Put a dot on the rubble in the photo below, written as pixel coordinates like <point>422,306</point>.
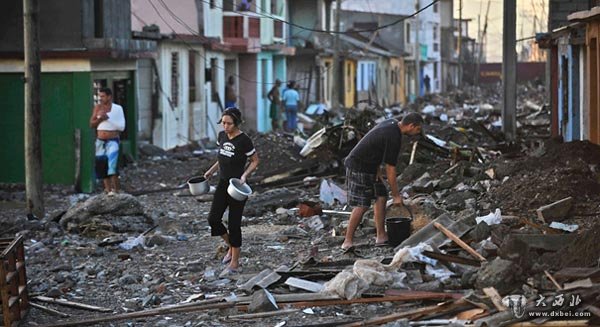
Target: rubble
<point>474,199</point>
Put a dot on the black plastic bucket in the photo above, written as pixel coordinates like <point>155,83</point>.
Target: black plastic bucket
<point>398,229</point>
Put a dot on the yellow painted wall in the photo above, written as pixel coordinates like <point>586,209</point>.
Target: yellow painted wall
<point>349,83</point>
<point>397,94</point>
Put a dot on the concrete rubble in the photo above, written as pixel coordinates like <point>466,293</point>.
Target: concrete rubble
<point>482,212</point>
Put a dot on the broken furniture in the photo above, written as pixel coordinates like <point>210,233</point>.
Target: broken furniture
<point>13,281</point>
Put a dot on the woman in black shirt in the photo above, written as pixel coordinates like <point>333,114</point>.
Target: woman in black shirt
<point>235,149</point>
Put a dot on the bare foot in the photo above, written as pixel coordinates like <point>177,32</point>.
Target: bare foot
<point>347,245</point>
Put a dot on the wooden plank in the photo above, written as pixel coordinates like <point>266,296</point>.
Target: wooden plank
<point>347,302</point>
<point>141,314</point>
<point>567,274</point>
<point>556,284</point>
<point>458,241</point>
<point>411,314</point>
<point>493,294</point>
<point>421,295</point>
<point>452,258</point>
<point>293,297</point>
<point>582,283</point>
<point>71,304</point>
<point>49,311</point>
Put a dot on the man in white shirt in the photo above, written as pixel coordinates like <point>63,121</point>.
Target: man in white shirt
<point>109,121</point>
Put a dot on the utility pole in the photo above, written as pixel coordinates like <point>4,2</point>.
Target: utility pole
<point>33,140</point>
<point>417,53</point>
<point>481,43</point>
<point>509,70</point>
<point>336,69</point>
<point>460,68</point>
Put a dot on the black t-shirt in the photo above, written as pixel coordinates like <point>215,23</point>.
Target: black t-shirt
<point>379,145</point>
<point>233,154</point>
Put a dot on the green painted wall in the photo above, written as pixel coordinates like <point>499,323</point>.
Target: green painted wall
<point>66,100</point>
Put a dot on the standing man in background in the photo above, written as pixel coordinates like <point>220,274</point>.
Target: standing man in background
<point>109,121</point>
<point>290,99</point>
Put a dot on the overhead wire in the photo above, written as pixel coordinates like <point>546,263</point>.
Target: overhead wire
<point>243,13</point>
<point>186,26</point>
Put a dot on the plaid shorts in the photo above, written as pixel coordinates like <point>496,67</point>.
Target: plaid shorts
<point>363,188</point>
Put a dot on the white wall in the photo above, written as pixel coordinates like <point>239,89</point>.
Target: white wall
<point>171,128</point>
<point>144,82</point>
<point>213,111</point>
<point>213,19</point>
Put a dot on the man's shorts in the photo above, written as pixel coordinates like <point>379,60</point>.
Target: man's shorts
<point>110,149</point>
<point>363,188</point>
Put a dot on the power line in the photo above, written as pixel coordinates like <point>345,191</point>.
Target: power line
<point>190,47</point>
<point>243,13</point>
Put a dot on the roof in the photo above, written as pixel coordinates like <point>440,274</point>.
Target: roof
<point>593,13</point>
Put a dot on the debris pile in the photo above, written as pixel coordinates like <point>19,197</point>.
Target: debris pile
<point>501,232</point>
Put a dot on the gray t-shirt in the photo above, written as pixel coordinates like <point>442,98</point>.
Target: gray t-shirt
<point>380,145</point>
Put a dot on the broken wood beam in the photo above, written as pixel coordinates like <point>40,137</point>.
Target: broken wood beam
<point>452,258</point>
<point>293,297</point>
<point>413,152</point>
<point>422,295</point>
<point>458,241</point>
<point>49,310</point>
<point>71,304</point>
<point>556,211</point>
<point>142,314</point>
<point>575,273</point>
<point>493,294</point>
<point>411,314</point>
<point>556,284</point>
<point>395,298</point>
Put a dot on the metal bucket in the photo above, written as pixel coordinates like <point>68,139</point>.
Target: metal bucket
<point>237,190</point>
<point>198,185</point>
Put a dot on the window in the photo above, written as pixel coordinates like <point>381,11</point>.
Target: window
<point>435,7</point>
<point>98,19</point>
<point>436,47</point>
<point>435,70</point>
<point>348,77</point>
<point>212,4</point>
<point>366,75</point>
<point>175,78</point>
<point>408,33</point>
<point>435,31</point>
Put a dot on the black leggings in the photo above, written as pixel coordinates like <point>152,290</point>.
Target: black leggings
<point>221,201</point>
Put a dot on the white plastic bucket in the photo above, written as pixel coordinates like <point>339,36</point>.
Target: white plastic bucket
<point>198,185</point>
<point>237,190</point>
